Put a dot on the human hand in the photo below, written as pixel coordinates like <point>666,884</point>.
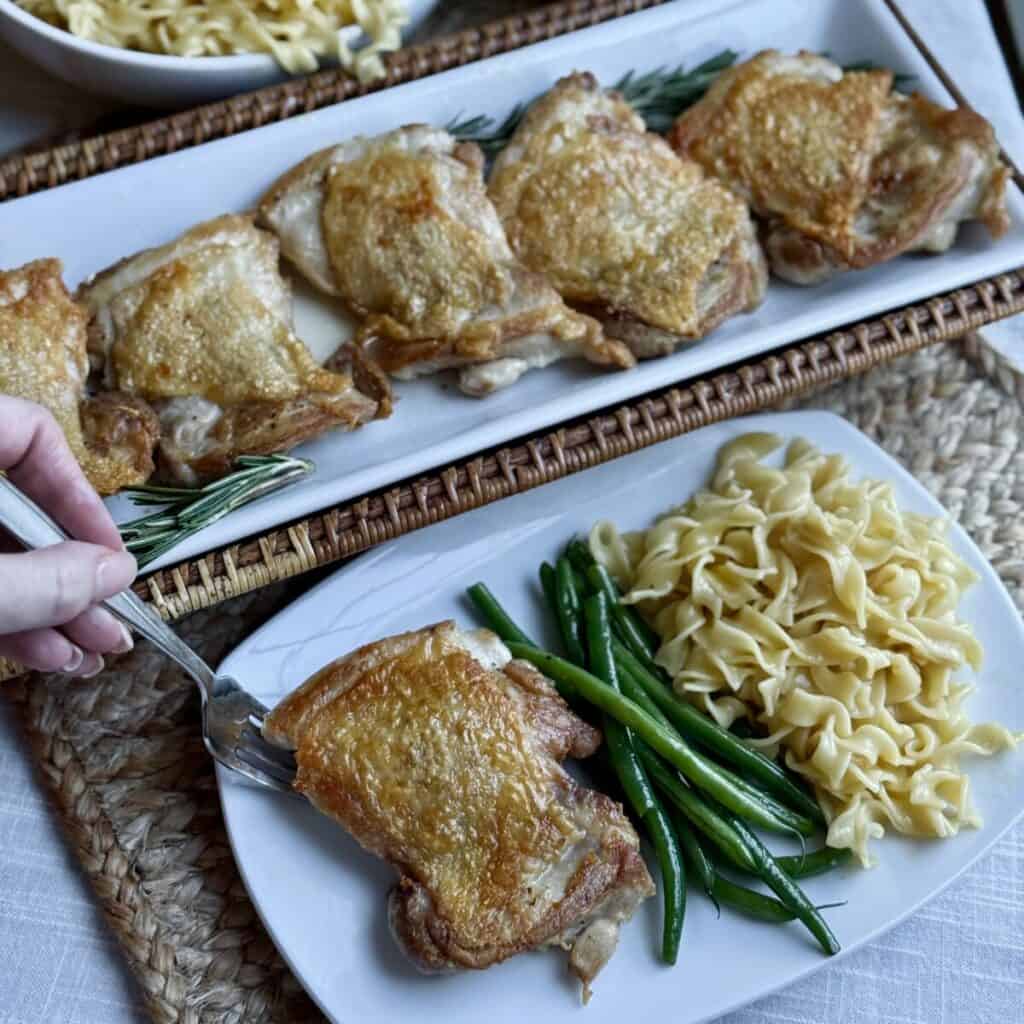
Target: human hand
<point>58,586</point>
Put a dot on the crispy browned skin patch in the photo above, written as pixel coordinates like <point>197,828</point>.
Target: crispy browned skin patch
<point>624,228</point>
<point>845,172</point>
<point>43,359</point>
<point>202,328</point>
<point>449,769</point>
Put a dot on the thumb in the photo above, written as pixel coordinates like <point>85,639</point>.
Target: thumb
<point>51,586</point>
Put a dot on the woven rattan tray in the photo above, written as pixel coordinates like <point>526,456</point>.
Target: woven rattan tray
<point>356,525</point>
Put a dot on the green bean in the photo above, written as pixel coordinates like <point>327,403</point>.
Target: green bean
<point>578,552</point>
<point>639,636</point>
<point>550,587</point>
<point>583,587</point>
<point>635,783</point>
<point>768,870</point>
<point>569,611</point>
<point>495,616</point>
<point>673,880</point>
<point>796,822</point>
<point>630,772</point>
<point>751,902</point>
<point>697,811</point>
<point>697,768</point>
<point>694,854</point>
<point>636,693</point>
<point>816,863</point>
<point>699,727</point>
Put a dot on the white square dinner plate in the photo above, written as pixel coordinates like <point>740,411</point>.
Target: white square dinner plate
<point>323,899</point>
<point>92,223</point>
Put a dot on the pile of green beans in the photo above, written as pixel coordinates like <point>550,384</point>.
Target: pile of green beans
<point>693,786</point>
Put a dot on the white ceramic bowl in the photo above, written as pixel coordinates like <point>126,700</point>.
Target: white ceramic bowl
<point>146,79</point>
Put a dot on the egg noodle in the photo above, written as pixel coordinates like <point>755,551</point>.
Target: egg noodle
<point>813,606</point>
<point>297,32</point>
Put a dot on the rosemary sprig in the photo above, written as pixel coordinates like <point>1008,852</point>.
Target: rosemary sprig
<point>186,510</point>
<point>479,130</point>
<point>659,96</point>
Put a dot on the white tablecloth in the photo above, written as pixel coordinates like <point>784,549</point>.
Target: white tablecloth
<point>958,961</point>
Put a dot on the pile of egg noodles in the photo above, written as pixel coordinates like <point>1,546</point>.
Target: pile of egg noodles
<point>299,33</point>
<point>813,606</point>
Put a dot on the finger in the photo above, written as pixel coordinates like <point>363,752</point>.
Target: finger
<point>98,631</point>
<point>37,458</point>
<point>52,586</point>
<point>46,650</point>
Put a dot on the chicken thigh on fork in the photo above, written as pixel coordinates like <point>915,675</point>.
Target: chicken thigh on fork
<point>441,753</point>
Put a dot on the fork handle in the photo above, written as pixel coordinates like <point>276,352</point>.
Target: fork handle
<point>33,528</point>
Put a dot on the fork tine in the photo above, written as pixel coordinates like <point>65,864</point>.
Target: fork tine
<point>253,739</point>
<point>254,773</point>
<point>255,758</point>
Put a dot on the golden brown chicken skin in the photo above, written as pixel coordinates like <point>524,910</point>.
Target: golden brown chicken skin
<point>401,229</point>
<point>844,172</point>
<point>624,229</point>
<point>201,328</point>
<point>43,359</point>
<point>441,754</point>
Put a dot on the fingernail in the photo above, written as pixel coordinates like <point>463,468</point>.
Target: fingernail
<point>126,643</point>
<point>114,572</point>
<point>92,666</point>
<point>75,661</point>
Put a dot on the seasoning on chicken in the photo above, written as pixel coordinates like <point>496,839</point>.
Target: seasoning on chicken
<point>625,230</point>
<point>844,172</point>
<point>201,328</point>
<point>400,228</point>
<point>441,754</point>
<point>43,359</point>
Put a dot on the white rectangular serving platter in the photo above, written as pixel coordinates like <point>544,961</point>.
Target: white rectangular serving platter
<point>93,223</point>
<point>323,899</point>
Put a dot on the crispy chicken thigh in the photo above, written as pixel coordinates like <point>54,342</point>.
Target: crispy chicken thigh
<point>625,230</point>
<point>201,328</point>
<point>441,754</point>
<point>844,172</point>
<point>43,359</point>
<point>401,229</point>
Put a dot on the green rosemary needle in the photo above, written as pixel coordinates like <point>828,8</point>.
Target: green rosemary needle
<point>658,96</point>
<point>479,130</point>
<point>186,510</point>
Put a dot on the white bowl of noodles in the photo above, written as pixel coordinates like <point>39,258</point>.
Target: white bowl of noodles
<point>302,36</point>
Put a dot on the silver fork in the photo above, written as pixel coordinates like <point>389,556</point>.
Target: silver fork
<point>232,718</point>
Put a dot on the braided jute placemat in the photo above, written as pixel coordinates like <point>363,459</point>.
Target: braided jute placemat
<point>135,791</point>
